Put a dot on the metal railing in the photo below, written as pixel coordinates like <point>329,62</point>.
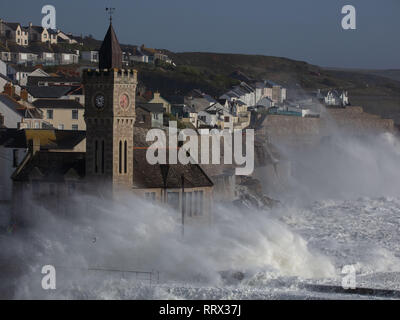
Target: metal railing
<point>153,277</point>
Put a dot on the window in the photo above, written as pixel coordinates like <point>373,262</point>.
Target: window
<point>173,199</point>
<point>15,158</point>
<point>150,196</point>
<point>61,127</point>
<point>120,158</point>
<point>49,114</point>
<point>37,125</point>
<point>155,116</point>
<point>188,205</point>
<point>102,156</point>
<point>198,203</point>
<point>96,149</point>
<point>226,119</point>
<point>26,41</point>
<point>74,127</point>
<point>75,114</point>
<point>125,156</point>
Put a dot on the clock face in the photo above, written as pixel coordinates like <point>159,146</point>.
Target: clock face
<point>99,101</point>
<point>124,101</point>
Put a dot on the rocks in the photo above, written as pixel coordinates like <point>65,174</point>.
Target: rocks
<point>250,194</point>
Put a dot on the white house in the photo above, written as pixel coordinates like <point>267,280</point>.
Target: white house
<point>22,74</point>
<point>47,58</point>
<point>208,119</point>
<point>139,57</point>
<point>23,57</point>
<point>334,98</point>
<point>66,58</point>
<point>65,37</point>
<point>90,56</point>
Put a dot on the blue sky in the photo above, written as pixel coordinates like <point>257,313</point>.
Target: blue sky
<point>308,30</point>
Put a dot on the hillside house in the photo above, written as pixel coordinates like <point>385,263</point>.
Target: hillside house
<point>64,58</point>
<point>19,115</point>
<point>149,115</point>
<point>157,98</point>
<point>90,56</point>
<point>336,98</point>
<point>62,114</point>
<point>40,34</point>
<point>15,32</point>
<point>65,37</point>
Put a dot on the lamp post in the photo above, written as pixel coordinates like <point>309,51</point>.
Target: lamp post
<point>164,173</point>
<point>183,204</point>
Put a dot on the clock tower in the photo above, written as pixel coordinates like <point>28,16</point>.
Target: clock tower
<point>110,117</point>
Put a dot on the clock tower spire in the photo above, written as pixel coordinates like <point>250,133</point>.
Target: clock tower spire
<point>110,117</point>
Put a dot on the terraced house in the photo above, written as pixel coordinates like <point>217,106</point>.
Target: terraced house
<point>15,32</point>
<point>40,34</point>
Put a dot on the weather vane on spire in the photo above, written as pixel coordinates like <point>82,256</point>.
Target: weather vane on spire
<point>110,12</point>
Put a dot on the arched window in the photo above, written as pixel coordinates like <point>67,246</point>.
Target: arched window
<point>125,156</point>
<point>96,150</point>
<point>120,157</point>
<point>102,156</point>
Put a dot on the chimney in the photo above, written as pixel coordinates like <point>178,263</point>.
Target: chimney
<point>9,89</point>
<point>24,94</point>
<point>30,24</point>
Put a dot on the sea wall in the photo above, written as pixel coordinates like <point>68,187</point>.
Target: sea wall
<point>294,130</point>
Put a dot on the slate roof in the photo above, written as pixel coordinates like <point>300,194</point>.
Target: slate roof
<point>176,99</point>
<point>49,138</point>
<point>151,107</point>
<point>150,176</point>
<point>110,53</point>
<point>52,166</point>
<point>48,92</point>
<point>12,25</point>
<point>20,109</point>
<point>38,29</point>
<point>34,80</point>
<point>57,104</point>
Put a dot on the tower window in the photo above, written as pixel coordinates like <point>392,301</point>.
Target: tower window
<point>96,146</point>
<point>120,157</point>
<point>102,156</point>
<point>125,156</point>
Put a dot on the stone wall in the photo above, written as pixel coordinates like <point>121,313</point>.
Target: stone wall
<point>293,130</point>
